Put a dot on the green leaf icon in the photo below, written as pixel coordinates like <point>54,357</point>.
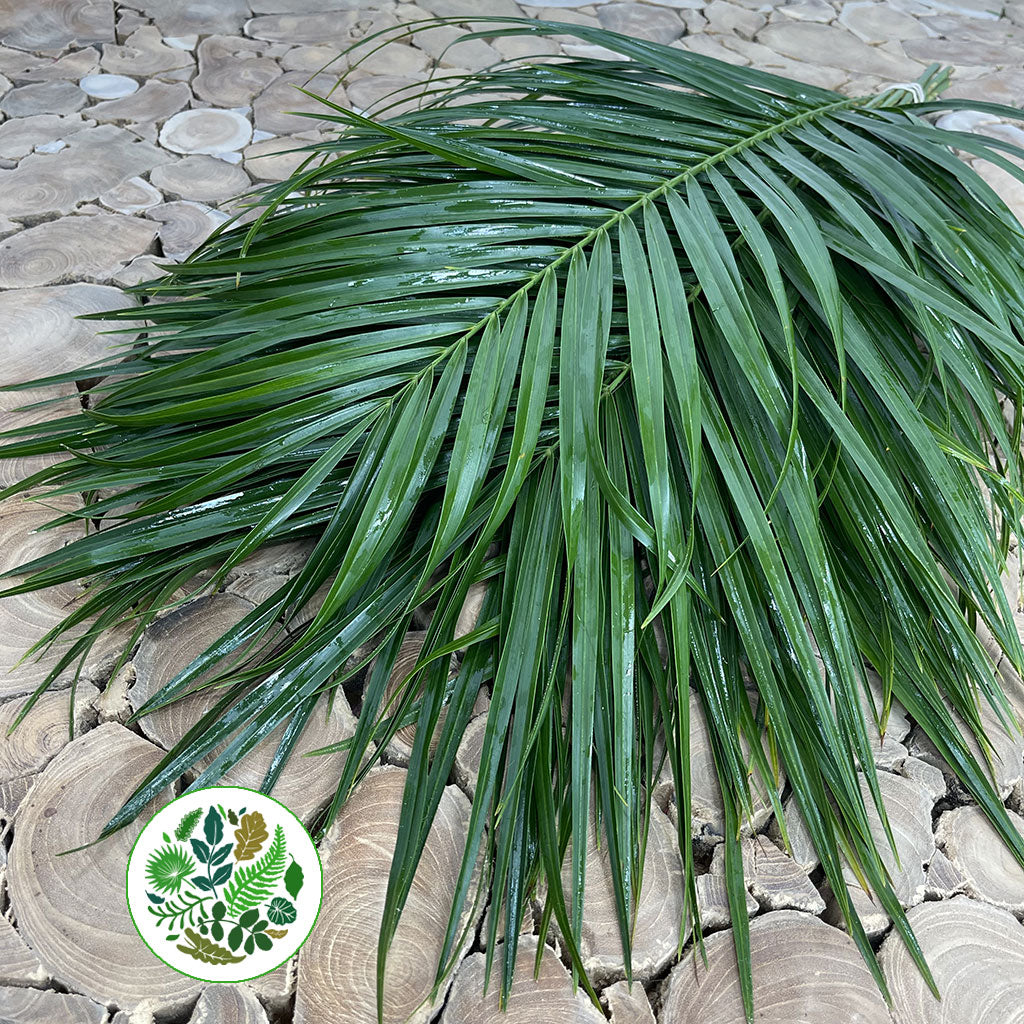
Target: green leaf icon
<point>207,951</point>
<point>281,911</point>
<point>222,874</point>
<point>293,879</point>
<point>167,868</point>
<point>221,854</point>
<point>213,827</point>
<point>187,825</point>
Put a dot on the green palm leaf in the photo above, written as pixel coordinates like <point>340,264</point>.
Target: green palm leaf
<point>658,339</point>
<point>168,867</point>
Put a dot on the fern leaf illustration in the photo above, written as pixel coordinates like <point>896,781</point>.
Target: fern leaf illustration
<point>187,825</point>
<point>174,913</point>
<point>255,882</point>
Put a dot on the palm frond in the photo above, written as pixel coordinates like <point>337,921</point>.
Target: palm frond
<point>638,341</point>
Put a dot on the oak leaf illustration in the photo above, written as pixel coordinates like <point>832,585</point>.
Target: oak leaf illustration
<point>251,835</point>
<point>277,933</point>
<point>207,951</point>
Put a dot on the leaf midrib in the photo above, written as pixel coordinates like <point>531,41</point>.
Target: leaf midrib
<point>638,204</point>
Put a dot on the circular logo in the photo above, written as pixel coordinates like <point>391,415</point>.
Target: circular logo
<point>224,884</point>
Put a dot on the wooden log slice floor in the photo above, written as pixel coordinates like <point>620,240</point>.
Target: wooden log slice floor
<point>26,618</point>
<point>659,908</point>
<point>400,747</point>
<point>105,177</point>
<point>804,971</point>
<point>980,857</point>
<point>628,1005</point>
<point>18,964</point>
<point>44,731</point>
<point>708,820</point>
<point>976,955</point>
<point>337,965</point>
<point>71,909</point>
<point>33,1006</point>
<point>170,644</point>
<point>547,998</point>
<point>228,1004</point>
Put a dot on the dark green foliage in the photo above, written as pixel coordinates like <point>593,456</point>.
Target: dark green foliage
<point>281,911</point>
<point>658,339</point>
<point>293,879</point>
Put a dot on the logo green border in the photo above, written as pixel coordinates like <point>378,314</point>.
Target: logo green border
<point>233,981</point>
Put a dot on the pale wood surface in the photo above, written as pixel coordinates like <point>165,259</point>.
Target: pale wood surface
<point>44,731</point>
<point>400,747</point>
<point>336,983</point>
<point>774,879</point>
<point>73,248</point>
<point>1007,752</point>
<point>184,225</point>
<point>231,72</point>
<point>943,879</point>
<point>713,901</point>
<point>18,964</point>
<point>170,644</point>
<point>708,823</point>
<point>803,971</point>
<point>976,955</point>
<point>981,858</point>
<point>27,618</point>
<point>467,757</point>
<point>32,1006</point>
<point>659,908</point>
<point>71,909</point>
<point>202,178</point>
<point>276,990</point>
<point>909,810</point>
<point>628,1005</point>
<point>546,999</point>
<point>228,1004</point>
